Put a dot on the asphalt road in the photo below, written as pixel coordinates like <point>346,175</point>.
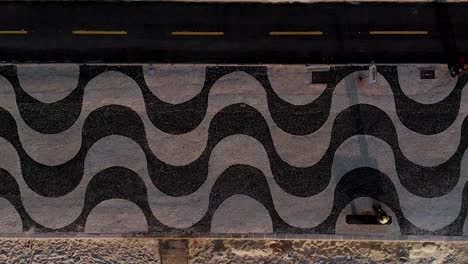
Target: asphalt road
<point>232,33</point>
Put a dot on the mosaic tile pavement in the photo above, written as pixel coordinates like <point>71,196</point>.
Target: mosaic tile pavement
<point>179,149</point>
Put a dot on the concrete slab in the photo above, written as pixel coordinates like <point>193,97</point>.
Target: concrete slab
<point>197,149</point>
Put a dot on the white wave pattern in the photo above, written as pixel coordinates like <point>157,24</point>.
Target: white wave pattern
<point>181,212</point>
<point>238,87</point>
<point>10,220</point>
<point>293,83</point>
<point>241,214</point>
<point>116,216</point>
<point>426,91</point>
<point>174,83</point>
<point>48,83</point>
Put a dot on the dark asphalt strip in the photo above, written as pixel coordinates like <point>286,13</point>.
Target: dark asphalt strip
<point>232,32</point>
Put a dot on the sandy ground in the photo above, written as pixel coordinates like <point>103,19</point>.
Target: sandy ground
<point>230,251</point>
<point>295,251</point>
<point>66,251</point>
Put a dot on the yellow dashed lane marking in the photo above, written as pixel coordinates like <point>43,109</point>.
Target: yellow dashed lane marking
<point>13,32</point>
<point>99,32</point>
<point>197,33</point>
<point>296,33</point>
<point>399,32</point>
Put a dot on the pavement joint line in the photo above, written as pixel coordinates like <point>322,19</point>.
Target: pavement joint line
<point>274,236</point>
<point>99,32</point>
<point>13,32</point>
<point>398,32</point>
<point>197,33</point>
<point>296,33</point>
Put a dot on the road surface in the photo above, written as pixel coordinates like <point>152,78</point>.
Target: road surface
<point>232,32</point>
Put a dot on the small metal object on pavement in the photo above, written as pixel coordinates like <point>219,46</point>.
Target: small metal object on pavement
<point>427,74</point>
<point>372,74</point>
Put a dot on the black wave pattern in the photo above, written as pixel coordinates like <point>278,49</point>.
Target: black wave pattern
<point>123,183</point>
<point>425,119</point>
<point>360,182</point>
<point>10,191</point>
<point>116,183</point>
<point>250,181</point>
<point>111,183</point>
<point>181,118</point>
<point>372,183</point>
<point>54,181</point>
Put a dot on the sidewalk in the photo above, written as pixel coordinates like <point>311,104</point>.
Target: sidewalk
<point>254,151</point>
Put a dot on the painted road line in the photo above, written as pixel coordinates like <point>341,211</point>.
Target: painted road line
<point>398,32</point>
<point>99,32</point>
<point>296,33</point>
<point>13,32</point>
<point>197,33</point>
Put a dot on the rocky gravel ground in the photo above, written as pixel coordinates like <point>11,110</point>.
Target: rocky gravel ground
<point>78,251</point>
<point>287,251</point>
<point>230,251</point>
